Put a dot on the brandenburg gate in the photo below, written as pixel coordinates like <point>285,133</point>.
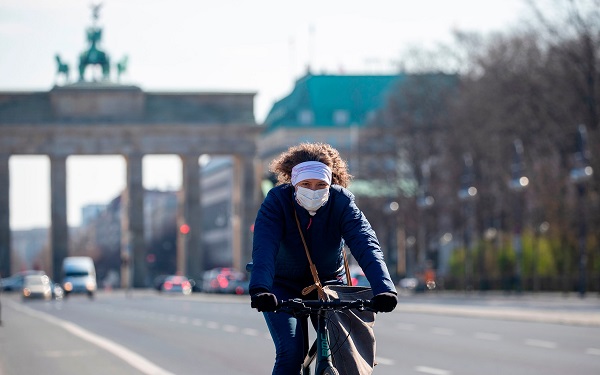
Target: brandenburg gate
<point>101,117</point>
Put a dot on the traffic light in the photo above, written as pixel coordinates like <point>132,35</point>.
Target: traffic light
<point>184,229</point>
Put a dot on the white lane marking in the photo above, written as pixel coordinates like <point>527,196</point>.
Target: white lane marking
<point>134,359</point>
<point>443,331</point>
<point>250,331</point>
<point>212,325</point>
<point>231,329</point>
<point>406,326</point>
<point>541,343</point>
<point>64,353</point>
<point>592,351</point>
<point>487,336</point>
<point>197,322</point>
<point>384,361</point>
<point>432,370</point>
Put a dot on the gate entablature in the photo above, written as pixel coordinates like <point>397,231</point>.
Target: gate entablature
<point>111,139</point>
<point>86,102</point>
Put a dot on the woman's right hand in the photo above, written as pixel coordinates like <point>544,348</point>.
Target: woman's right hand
<point>264,302</point>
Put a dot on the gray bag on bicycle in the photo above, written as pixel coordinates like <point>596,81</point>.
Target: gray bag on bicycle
<point>352,339</point>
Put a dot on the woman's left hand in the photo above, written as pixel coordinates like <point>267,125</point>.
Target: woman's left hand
<point>384,302</point>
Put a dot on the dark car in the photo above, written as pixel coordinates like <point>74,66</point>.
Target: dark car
<point>225,280</point>
<point>159,281</point>
<point>176,284</point>
<point>14,283</point>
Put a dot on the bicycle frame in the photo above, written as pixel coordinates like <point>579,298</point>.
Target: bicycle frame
<point>320,349</point>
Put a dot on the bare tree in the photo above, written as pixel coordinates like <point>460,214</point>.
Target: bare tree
<point>535,85</point>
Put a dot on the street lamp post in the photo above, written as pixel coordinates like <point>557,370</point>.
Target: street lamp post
<point>396,252</point>
<point>579,175</point>
<point>539,232</point>
<point>467,195</point>
<point>518,183</point>
<point>424,201</point>
<point>410,256</point>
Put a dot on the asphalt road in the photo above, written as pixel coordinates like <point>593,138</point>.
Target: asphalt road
<point>443,334</point>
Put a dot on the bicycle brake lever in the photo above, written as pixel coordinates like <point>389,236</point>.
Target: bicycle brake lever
<point>293,307</point>
<point>367,305</point>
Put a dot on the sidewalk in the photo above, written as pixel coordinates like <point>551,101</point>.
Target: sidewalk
<point>555,308</point>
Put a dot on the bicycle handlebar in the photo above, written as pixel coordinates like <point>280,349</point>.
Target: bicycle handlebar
<point>299,306</point>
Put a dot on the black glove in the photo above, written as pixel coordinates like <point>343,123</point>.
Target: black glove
<point>263,301</point>
<point>384,302</point>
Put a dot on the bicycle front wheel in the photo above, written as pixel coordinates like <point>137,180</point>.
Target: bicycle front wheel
<point>330,371</point>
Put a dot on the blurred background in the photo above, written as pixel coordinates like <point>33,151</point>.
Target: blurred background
<point>473,148</point>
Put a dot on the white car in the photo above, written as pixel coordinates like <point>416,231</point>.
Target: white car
<point>37,287</point>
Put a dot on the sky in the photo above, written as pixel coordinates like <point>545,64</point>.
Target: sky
<point>258,46</point>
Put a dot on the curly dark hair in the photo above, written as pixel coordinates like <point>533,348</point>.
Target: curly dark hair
<point>321,152</point>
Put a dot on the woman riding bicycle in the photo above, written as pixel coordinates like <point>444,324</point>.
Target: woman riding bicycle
<point>312,180</point>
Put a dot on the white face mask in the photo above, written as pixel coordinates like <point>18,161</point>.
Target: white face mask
<point>312,200</point>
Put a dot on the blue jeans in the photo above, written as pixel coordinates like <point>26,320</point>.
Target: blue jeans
<point>288,335</point>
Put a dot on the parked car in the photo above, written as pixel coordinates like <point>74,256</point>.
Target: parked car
<point>176,284</point>
<point>225,280</point>
<point>37,287</point>
<point>411,284</point>
<point>159,281</point>
<point>416,285</point>
<point>15,282</point>
<point>57,290</point>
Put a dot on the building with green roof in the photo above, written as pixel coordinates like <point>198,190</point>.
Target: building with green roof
<point>324,108</point>
<point>330,101</point>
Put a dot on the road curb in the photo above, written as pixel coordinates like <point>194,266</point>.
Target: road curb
<point>540,316</point>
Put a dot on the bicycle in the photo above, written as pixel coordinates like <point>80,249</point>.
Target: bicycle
<point>320,349</point>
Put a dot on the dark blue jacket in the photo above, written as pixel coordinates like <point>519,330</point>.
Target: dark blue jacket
<point>279,256</point>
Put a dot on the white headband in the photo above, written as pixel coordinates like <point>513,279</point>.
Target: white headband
<point>311,169</point>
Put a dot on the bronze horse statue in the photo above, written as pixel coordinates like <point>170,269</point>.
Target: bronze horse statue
<point>94,56</point>
<point>121,67</point>
<point>62,68</point>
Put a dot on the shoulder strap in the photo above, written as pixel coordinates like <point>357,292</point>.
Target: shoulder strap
<point>313,269</point>
<point>347,267</point>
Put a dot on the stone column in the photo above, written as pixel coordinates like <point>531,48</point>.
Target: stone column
<point>237,211</point>
<point>59,229</point>
<point>245,202</point>
<point>133,247</point>
<point>190,257</point>
<point>5,259</point>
